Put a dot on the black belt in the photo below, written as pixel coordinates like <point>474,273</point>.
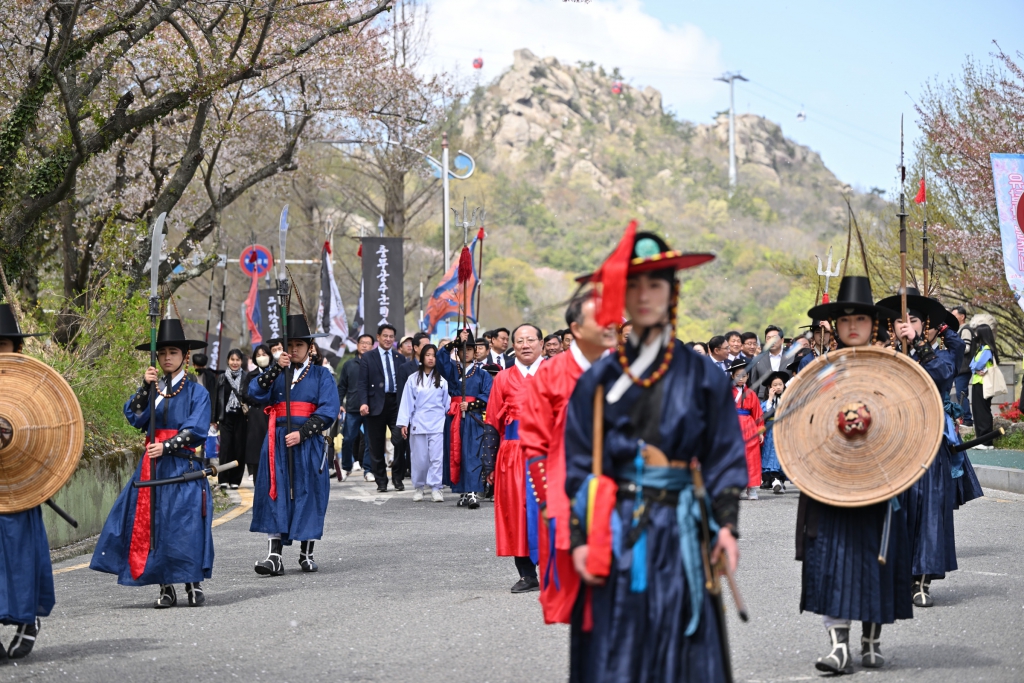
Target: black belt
<point>651,496</point>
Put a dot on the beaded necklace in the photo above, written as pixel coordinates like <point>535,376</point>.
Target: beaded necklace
<point>305,372</point>
<point>666,359</point>
<point>180,386</point>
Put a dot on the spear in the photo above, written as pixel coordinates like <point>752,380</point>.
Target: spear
<point>157,244</point>
<point>903,242</point>
<point>220,325</point>
<point>924,236</point>
<point>282,302</point>
<point>480,269</point>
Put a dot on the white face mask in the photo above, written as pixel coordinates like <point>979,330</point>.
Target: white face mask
<point>263,361</point>
<point>277,354</point>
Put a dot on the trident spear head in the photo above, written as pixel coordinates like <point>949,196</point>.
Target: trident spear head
<point>828,273</point>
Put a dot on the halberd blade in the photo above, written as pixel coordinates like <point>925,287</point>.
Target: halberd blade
<point>154,259</point>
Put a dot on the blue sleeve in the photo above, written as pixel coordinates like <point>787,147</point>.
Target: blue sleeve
<point>956,346</point>
<point>941,367</point>
<point>257,393</point>
<point>982,360</point>
<point>329,405</point>
<point>137,420</point>
<point>805,361</point>
<point>486,382</point>
<point>198,419</point>
<point>450,371</point>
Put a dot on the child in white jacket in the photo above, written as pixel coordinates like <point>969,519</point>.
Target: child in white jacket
<point>421,416</point>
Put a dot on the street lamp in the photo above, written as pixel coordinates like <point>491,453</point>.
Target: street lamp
<point>441,168</point>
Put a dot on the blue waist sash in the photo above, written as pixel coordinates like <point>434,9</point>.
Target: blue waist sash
<point>688,518</point>
<point>512,431</point>
<point>742,411</point>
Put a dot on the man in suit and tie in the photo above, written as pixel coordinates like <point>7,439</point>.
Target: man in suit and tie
<point>500,354</point>
<point>718,348</point>
<point>400,465</point>
<point>769,363</point>
<point>378,398</point>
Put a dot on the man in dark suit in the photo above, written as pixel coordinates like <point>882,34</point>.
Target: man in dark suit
<point>400,465</point>
<point>769,363</point>
<point>378,398</point>
<point>500,354</point>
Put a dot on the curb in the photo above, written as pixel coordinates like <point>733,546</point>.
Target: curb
<point>1000,478</point>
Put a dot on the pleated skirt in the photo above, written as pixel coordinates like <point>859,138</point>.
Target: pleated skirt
<point>967,486</point>
<point>301,519</point>
<point>929,505</point>
<point>842,577</point>
<point>640,637</point>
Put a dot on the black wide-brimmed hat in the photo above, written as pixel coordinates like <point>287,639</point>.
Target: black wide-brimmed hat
<point>170,333</point>
<point>9,324</point>
<point>854,297</point>
<point>298,329</point>
<point>780,374</point>
<point>738,364</point>
<point>928,309</point>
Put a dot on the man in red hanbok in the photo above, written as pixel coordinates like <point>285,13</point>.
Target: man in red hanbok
<point>515,509</point>
<point>542,431</point>
<point>748,407</point>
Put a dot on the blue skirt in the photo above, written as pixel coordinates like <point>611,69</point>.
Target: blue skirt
<point>842,577</point>
<point>446,463</point>
<point>471,469</point>
<point>967,486</point>
<point>640,636</point>
<point>301,519</point>
<point>26,587</point>
<point>182,550</point>
<point>930,518</point>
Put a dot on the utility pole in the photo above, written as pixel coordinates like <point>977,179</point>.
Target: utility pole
<point>730,78</point>
<point>445,200</point>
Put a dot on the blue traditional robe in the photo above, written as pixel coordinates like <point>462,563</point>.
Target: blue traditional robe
<point>471,428</point>
<point>769,458</point>
<point>301,519</point>
<point>182,549</point>
<point>930,501</point>
<point>26,582</point>
<point>641,636</point>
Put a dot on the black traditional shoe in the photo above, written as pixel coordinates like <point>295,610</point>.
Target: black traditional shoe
<point>273,565</point>
<point>196,597</point>
<point>399,486</point>
<point>921,596</point>
<point>870,647</point>
<point>462,500</point>
<point>472,502</point>
<point>489,491</point>
<point>167,598</point>
<point>306,557</point>
<point>24,640</point>
<point>526,584</point>
<point>838,660</point>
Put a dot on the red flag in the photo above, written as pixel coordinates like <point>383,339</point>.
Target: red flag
<point>251,309</point>
<point>921,198</point>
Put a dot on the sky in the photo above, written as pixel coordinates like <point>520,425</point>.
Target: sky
<point>853,68</point>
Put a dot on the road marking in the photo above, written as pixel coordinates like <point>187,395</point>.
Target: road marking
<point>237,511</point>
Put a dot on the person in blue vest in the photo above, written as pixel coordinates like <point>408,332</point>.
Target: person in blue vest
<point>27,573</point>
<point>178,547</point>
<point>935,344</point>
<point>646,615</point>
<point>292,509</point>
<point>466,416</point>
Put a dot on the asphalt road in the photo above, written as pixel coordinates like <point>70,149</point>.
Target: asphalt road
<point>413,592</point>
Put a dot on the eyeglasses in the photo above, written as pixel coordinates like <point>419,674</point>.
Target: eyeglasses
<point>527,340</point>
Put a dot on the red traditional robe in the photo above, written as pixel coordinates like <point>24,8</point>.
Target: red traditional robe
<point>749,409</point>
<point>508,393</point>
<point>542,431</point>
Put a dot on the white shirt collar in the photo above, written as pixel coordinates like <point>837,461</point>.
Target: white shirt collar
<point>578,356</point>
<point>529,370</point>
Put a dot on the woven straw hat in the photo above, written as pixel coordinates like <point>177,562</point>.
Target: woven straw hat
<point>858,426</point>
<point>41,432</point>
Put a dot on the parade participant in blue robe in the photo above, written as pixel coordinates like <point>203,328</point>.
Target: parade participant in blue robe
<point>178,548</point>
<point>771,471</point>
<point>646,615</point>
<point>842,579</point>
<point>930,501</point>
<point>293,509</point>
<point>470,419</point>
<point>26,576</point>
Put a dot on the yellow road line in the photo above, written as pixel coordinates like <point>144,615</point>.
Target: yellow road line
<point>237,511</point>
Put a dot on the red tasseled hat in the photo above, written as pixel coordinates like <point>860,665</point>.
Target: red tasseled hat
<point>637,252</point>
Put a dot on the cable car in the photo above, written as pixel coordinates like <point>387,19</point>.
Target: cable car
<point>617,88</point>
<point>478,63</point>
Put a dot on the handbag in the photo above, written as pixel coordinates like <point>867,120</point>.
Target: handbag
<point>992,382</point>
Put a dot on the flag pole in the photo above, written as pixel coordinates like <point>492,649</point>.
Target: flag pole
<point>903,243</point>
<point>924,235</point>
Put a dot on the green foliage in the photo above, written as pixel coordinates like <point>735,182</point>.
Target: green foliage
<point>512,278</point>
<point>1013,441</point>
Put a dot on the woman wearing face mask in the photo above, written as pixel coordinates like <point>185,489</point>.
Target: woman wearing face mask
<point>256,420</point>
<point>231,410</point>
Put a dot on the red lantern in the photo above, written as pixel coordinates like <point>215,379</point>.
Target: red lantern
<point>478,63</point>
<point>617,88</point>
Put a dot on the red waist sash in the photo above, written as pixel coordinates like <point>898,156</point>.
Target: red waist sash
<point>138,547</point>
<point>299,409</point>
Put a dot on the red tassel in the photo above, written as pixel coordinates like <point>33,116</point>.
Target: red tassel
<point>480,234</point>
<point>360,252</point>
<point>824,298</point>
<point>465,265</point>
<point>612,276</point>
<point>327,247</point>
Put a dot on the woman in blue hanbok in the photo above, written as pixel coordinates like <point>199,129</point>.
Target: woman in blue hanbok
<point>466,418</point>
<point>772,475</point>
<point>292,484</point>
<point>26,576</point>
<point>177,546</point>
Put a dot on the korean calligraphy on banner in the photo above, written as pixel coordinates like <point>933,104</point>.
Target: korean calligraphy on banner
<point>383,291</point>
